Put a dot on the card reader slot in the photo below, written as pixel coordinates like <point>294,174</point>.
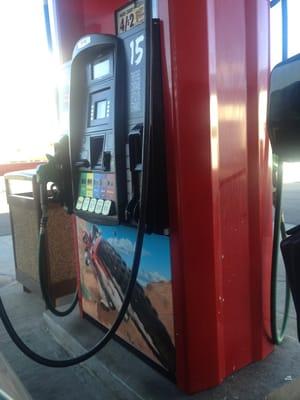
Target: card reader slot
<point>96,146</point>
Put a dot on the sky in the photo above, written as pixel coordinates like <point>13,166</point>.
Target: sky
<point>291,170</point>
<point>293,31</point>
<point>155,262</point>
<point>28,113</point>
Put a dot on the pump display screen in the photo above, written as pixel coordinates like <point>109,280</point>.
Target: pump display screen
<point>101,109</point>
<point>101,69</point>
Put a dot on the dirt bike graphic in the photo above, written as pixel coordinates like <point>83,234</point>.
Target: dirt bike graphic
<point>113,276</point>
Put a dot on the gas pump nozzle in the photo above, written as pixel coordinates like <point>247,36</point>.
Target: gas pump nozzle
<point>135,139</point>
<point>57,171</point>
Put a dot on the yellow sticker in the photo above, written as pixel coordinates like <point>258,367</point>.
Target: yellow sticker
<point>131,16</point>
<point>89,184</point>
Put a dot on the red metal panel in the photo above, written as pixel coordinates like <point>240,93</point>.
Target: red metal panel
<point>79,17</point>
<point>99,15</point>
<point>194,222</point>
<point>69,24</point>
<point>259,183</point>
<point>232,102</point>
<point>220,184</point>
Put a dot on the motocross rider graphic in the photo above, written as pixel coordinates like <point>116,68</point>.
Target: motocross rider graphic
<point>113,276</point>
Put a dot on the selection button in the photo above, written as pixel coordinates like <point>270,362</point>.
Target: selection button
<point>99,206</point>
<point>79,203</point>
<point>86,204</point>
<point>106,207</point>
<point>92,205</point>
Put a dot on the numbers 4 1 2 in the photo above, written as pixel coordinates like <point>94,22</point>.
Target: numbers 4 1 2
<point>127,22</point>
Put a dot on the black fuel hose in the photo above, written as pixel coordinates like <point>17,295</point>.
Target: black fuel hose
<point>139,239</point>
<point>108,336</point>
<point>279,228</point>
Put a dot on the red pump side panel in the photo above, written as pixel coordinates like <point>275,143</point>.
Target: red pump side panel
<point>195,233</point>
<point>260,164</point>
<point>216,71</point>
<point>231,86</point>
<point>69,25</point>
<point>99,15</point>
<point>76,18</point>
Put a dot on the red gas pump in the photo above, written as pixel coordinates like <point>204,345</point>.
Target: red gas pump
<point>215,69</point>
<point>215,77</point>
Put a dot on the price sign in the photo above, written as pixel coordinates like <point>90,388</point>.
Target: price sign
<point>130,16</point>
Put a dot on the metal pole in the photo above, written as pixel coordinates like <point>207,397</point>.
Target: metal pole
<point>285,36</point>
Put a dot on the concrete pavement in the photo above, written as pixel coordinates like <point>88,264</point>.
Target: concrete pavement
<point>43,383</point>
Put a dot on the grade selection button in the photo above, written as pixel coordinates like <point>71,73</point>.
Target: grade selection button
<point>86,204</point>
<point>99,206</point>
<point>106,207</point>
<point>79,203</point>
<point>92,205</point>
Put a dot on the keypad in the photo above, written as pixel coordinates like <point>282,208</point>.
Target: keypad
<point>96,193</point>
<point>86,204</point>
<point>106,207</point>
<point>79,203</point>
<point>93,205</point>
<point>99,206</point>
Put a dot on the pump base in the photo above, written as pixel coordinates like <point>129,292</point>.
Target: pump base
<point>121,369</point>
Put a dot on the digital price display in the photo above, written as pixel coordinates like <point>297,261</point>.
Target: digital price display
<point>101,69</point>
<point>101,107</point>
